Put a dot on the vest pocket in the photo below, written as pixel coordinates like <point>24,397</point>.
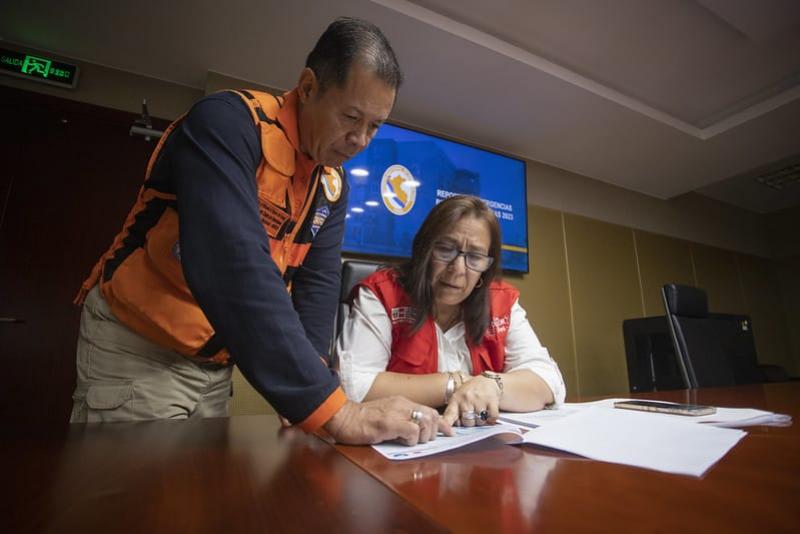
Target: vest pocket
<point>273,186</point>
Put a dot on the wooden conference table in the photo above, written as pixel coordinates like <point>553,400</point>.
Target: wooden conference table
<point>245,474</point>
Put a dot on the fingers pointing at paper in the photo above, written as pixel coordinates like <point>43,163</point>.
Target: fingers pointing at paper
<point>475,403</point>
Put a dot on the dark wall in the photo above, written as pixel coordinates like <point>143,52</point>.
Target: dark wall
<point>70,173</point>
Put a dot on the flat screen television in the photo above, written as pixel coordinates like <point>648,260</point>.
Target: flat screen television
<point>403,173</point>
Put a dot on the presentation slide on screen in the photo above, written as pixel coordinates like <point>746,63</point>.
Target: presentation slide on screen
<point>396,181</point>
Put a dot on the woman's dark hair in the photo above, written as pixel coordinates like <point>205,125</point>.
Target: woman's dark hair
<point>347,40</point>
<point>415,274</point>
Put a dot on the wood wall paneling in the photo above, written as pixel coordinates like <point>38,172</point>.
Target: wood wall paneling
<point>718,274</point>
<point>789,279</point>
<point>544,291</point>
<point>604,284</point>
<point>246,400</point>
<point>76,174</point>
<point>763,301</point>
<point>662,260</point>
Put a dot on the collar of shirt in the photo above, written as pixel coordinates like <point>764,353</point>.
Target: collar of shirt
<point>453,349</point>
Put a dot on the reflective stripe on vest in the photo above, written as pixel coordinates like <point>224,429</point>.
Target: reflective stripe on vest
<point>418,353</point>
<point>150,294</point>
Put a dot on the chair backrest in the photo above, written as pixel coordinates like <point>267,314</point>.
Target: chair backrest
<point>714,349</point>
<point>652,361</point>
<point>353,271</point>
<point>738,344</point>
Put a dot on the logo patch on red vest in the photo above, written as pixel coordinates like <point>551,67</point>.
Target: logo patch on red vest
<point>498,325</point>
<point>404,314</point>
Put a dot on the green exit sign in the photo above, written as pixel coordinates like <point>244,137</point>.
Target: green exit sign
<point>38,68</point>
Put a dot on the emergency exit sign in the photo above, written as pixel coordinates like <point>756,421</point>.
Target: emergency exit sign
<point>39,68</point>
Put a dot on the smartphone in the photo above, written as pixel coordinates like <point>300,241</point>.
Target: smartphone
<point>665,407</point>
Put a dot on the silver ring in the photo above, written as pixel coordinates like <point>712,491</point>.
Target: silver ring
<point>484,415</point>
<point>469,415</point>
<point>416,416</point>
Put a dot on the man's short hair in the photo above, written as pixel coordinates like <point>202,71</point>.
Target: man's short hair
<point>347,40</point>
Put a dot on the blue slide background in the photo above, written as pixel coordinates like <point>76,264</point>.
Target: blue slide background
<point>438,164</point>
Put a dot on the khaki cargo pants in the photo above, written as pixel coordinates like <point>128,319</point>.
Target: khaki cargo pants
<point>124,377</point>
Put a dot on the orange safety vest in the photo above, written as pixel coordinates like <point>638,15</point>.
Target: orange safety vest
<point>418,353</point>
<point>140,275</point>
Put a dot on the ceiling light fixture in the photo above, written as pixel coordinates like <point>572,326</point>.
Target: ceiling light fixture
<point>781,178</point>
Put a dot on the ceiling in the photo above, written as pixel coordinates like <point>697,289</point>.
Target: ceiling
<point>657,96</point>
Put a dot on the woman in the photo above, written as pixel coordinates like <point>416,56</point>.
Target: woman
<point>441,330</point>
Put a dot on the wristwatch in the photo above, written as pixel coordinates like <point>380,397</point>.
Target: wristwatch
<point>498,379</point>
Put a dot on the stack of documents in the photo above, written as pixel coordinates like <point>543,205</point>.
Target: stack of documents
<point>639,439</point>
<point>663,442</point>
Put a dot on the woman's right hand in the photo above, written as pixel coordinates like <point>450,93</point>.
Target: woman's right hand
<point>480,395</point>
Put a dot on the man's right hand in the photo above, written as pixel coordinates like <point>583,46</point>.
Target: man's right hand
<point>383,420</point>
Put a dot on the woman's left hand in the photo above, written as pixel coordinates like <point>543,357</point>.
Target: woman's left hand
<point>475,403</point>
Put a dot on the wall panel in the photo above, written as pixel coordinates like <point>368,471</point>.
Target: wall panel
<point>662,260</point>
<point>718,274</point>
<point>544,293</point>
<point>246,400</point>
<point>789,280</point>
<point>763,301</point>
<point>605,291</point>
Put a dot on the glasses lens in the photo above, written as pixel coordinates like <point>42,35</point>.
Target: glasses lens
<point>478,262</point>
<point>444,252</point>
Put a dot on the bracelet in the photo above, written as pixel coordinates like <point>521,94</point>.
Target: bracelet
<point>498,379</point>
<point>451,387</point>
<point>461,379</point>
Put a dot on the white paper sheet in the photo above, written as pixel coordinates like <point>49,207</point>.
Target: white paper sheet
<point>638,439</point>
<point>597,430</point>
<point>725,417</point>
<point>464,436</point>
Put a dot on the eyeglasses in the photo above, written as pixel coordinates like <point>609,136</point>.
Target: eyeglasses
<point>474,260</point>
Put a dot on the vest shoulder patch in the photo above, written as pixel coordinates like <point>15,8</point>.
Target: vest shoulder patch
<point>331,184</point>
<point>320,216</point>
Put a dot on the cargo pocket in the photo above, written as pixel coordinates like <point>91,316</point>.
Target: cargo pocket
<point>109,401</point>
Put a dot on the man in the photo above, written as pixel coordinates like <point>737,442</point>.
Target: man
<point>243,198</point>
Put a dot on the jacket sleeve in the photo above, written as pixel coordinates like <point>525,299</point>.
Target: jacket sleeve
<point>316,284</point>
<point>211,159</point>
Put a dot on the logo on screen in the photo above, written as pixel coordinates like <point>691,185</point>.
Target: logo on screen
<point>399,189</point>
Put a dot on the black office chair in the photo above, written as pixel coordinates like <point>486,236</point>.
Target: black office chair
<point>353,271</point>
<point>652,362</point>
<point>715,349</point>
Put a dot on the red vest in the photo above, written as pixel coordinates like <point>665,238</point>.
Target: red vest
<point>418,353</point>
<point>144,284</point>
